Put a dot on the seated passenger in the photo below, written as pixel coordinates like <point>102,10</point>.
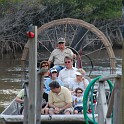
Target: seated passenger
<point>53,77</point>
<point>45,64</point>
<point>57,56</point>
<point>79,81</point>
<point>78,101</point>
<point>20,99</point>
<point>68,73</point>
<point>82,71</point>
<point>59,99</point>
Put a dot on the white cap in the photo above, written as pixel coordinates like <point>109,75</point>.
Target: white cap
<point>61,40</point>
<point>53,70</point>
<point>78,73</point>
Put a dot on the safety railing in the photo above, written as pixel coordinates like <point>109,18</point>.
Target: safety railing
<point>101,100</point>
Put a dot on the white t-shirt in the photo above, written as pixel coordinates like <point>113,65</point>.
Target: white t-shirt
<point>73,85</point>
<point>78,101</point>
<point>67,75</point>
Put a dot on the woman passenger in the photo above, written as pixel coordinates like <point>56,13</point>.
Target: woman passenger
<point>79,81</point>
<point>45,65</point>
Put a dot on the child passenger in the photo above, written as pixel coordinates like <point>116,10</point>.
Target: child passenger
<point>53,77</point>
<point>78,101</point>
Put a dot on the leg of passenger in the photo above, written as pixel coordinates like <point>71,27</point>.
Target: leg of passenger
<point>67,112</point>
<point>51,111</point>
<point>21,110</point>
<point>42,111</point>
<point>46,111</point>
<point>75,111</point>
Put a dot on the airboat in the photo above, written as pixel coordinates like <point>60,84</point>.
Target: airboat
<point>90,45</point>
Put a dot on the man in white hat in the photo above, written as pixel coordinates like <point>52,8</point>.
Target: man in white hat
<point>78,82</point>
<point>57,56</point>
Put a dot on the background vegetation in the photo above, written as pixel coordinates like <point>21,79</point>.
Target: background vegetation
<point>17,15</point>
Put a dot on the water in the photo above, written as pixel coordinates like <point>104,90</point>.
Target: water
<point>10,78</point>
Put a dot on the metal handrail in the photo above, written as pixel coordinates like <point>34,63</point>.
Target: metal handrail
<point>89,89</point>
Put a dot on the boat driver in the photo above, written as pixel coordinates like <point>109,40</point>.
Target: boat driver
<point>57,56</point>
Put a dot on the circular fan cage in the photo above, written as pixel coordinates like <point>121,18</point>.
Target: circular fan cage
<point>94,51</point>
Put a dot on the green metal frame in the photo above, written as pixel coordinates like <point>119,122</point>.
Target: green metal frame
<point>89,88</point>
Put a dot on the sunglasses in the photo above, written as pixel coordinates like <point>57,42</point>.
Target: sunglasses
<point>54,72</point>
<point>79,92</point>
<point>61,42</point>
<point>68,62</point>
<point>44,65</point>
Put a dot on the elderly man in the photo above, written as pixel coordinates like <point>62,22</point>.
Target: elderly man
<point>67,74</point>
<point>57,56</point>
<point>59,99</point>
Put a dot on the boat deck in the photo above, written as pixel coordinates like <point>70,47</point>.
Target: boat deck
<point>11,116</point>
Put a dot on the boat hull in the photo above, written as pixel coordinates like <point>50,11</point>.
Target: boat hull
<point>61,119</point>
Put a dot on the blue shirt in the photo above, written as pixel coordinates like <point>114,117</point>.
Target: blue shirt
<point>48,81</point>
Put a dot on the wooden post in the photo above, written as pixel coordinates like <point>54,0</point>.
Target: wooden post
<point>25,119</point>
<point>116,110</point>
<point>122,90</point>
<point>40,84</point>
<point>39,98</point>
<point>32,77</point>
<point>102,104</point>
<point>122,79</point>
<point>23,60</point>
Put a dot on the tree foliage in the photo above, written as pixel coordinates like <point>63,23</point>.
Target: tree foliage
<point>88,9</point>
<point>17,15</point>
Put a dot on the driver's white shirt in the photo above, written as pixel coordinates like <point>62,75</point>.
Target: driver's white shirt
<point>67,75</point>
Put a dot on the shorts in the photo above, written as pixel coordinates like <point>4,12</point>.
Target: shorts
<point>64,111</point>
<point>78,108</point>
